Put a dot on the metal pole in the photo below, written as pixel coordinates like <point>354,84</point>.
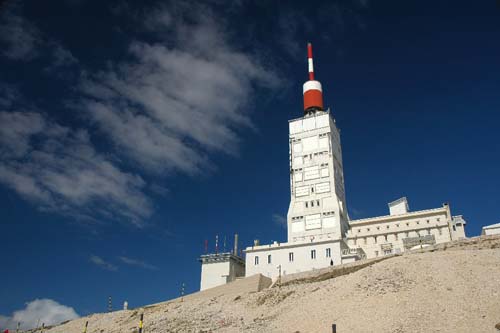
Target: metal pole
<point>334,328</point>
<point>85,328</point>
<point>141,322</point>
<point>17,329</point>
<point>110,306</point>
<point>182,291</point>
<point>43,327</point>
<point>279,277</point>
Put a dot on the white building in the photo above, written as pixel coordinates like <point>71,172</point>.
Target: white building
<point>220,268</point>
<point>493,229</point>
<point>319,230</point>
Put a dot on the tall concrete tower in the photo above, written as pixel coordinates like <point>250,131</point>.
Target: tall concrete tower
<point>317,204</point>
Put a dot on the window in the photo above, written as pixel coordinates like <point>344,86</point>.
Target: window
<point>359,230</point>
<point>378,228</point>
<point>375,238</point>
<point>376,253</point>
<point>256,260</point>
<point>387,227</point>
<point>397,225</point>
<point>290,256</point>
<point>269,259</point>
<point>438,219</point>
<point>312,189</point>
<point>396,235</point>
<point>406,234</point>
<point>385,236</point>
<point>364,240</point>
<point>418,222</point>
<point>306,204</point>
<point>454,228</point>
<point>313,254</point>
<point>317,203</point>
<point>428,231</point>
<point>440,231</point>
<point>312,203</point>
<point>328,253</point>
<point>407,224</point>
<point>386,252</point>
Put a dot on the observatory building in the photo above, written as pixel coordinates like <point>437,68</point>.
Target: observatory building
<point>320,232</point>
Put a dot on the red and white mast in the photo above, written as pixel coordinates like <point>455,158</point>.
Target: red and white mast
<point>313,92</point>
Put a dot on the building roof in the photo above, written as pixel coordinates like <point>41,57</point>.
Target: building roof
<point>492,226</point>
<point>397,217</point>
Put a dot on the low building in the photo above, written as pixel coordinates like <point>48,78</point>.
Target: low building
<point>493,229</point>
<point>220,268</point>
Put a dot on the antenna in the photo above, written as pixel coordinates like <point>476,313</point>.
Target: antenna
<point>235,244</point>
<point>312,90</point>
<point>310,61</point>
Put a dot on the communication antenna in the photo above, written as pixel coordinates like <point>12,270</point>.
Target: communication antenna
<point>312,90</point>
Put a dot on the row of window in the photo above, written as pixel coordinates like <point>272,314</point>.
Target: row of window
<point>397,224</point>
<point>301,169</point>
<point>328,254</point>
<point>296,218</point>
<point>312,203</point>
<point>396,236</point>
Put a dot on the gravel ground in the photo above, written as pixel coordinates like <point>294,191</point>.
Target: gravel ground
<point>452,289</point>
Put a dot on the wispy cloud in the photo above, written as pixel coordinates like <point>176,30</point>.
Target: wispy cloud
<point>175,102</point>
<point>21,40</point>
<point>57,168</point>
<point>279,220</point>
<point>102,263</point>
<point>138,263</point>
<point>38,311</point>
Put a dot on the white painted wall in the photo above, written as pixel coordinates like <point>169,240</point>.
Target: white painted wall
<point>317,200</point>
<point>493,229</point>
<point>218,269</point>
<point>280,255</point>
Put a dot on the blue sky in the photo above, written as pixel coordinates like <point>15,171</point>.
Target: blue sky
<point>130,133</point>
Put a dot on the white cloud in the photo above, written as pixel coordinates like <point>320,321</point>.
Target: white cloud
<point>279,220</point>
<point>38,311</point>
<point>21,39</point>
<point>171,105</point>
<point>58,169</point>
<point>138,263</point>
<point>102,263</point>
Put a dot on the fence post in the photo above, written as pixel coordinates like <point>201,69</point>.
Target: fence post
<point>85,328</point>
<point>141,323</point>
<point>334,328</point>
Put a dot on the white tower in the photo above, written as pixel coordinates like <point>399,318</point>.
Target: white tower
<point>317,206</point>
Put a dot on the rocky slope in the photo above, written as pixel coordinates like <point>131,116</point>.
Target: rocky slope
<point>449,288</point>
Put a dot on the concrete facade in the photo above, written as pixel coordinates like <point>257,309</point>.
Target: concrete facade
<point>493,229</point>
<point>220,268</point>
<point>396,233</point>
